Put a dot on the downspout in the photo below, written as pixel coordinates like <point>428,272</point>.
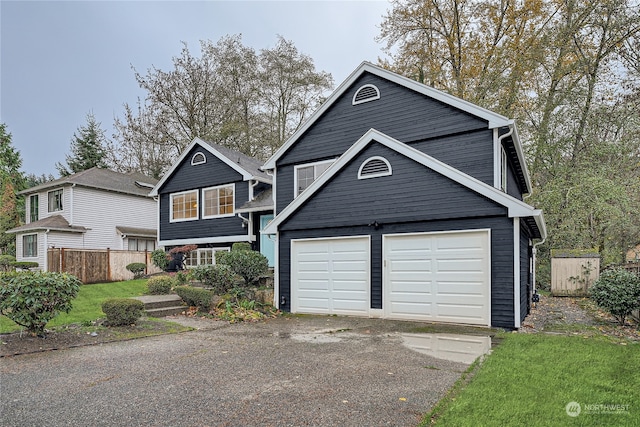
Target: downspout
<point>498,172</point>
<point>46,251</point>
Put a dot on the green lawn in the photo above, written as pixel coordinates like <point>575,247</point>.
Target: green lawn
<point>86,307</point>
<point>529,379</point>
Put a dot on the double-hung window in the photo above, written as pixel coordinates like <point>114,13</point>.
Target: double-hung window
<point>184,206</point>
<point>30,245</point>
<point>55,200</point>
<point>218,201</point>
<point>306,174</point>
<point>33,208</point>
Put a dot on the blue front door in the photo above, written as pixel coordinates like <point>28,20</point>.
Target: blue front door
<point>267,244</point>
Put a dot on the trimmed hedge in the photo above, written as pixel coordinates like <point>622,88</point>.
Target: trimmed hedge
<point>160,285</point>
<point>122,311</point>
<point>219,277</point>
<point>137,268</point>
<point>251,265</point>
<point>618,292</point>
<point>195,297</point>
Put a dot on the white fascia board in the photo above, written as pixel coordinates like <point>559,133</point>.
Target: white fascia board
<point>173,167</point>
<point>515,207</point>
<point>246,175</point>
<point>495,120</point>
<point>202,240</point>
<point>521,159</point>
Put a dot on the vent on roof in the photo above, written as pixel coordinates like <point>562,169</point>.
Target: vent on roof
<point>374,167</point>
<point>366,93</point>
<point>198,159</point>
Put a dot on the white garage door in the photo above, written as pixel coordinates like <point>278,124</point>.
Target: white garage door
<point>438,277</point>
<point>330,276</point>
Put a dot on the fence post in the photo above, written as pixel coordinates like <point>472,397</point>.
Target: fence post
<point>63,263</point>
<point>108,265</point>
<point>146,260</point>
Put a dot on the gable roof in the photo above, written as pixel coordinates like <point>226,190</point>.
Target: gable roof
<point>53,223</point>
<point>515,207</point>
<point>246,166</point>
<point>102,179</point>
<point>495,120</point>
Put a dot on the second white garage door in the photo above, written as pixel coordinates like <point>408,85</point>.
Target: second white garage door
<point>437,277</point>
<point>331,276</point>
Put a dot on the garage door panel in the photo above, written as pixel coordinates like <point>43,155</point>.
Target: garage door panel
<point>437,277</point>
<point>341,265</point>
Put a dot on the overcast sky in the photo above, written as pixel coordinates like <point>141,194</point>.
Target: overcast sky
<point>60,60</point>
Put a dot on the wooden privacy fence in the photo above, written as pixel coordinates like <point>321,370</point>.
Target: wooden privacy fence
<point>573,272</point>
<point>97,265</point>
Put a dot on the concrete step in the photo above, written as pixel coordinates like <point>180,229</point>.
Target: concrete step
<point>165,311</point>
<point>162,305</point>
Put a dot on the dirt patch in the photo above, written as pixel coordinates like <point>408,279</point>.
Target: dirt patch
<point>577,316</point>
<point>77,336</point>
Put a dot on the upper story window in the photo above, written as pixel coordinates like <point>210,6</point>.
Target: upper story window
<point>365,93</point>
<point>374,167</point>
<point>55,200</point>
<point>184,206</point>
<point>198,159</point>
<point>217,201</point>
<point>30,245</point>
<point>503,169</point>
<point>33,208</point>
<point>306,174</point>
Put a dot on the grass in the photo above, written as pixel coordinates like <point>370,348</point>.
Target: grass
<point>529,379</point>
<point>87,305</point>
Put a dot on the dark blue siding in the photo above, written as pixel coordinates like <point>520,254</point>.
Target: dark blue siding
<point>190,177</point>
<point>187,177</point>
<point>400,113</point>
<point>412,193</point>
<point>502,303</point>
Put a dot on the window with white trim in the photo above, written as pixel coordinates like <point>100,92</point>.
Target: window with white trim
<point>503,169</point>
<point>30,246</point>
<point>202,256</point>
<point>33,208</point>
<point>198,159</point>
<point>365,93</point>
<point>55,200</point>
<point>184,206</point>
<point>218,201</point>
<point>136,244</point>
<point>306,174</point>
<point>374,167</point>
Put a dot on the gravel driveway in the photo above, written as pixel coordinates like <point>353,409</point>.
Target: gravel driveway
<point>300,371</point>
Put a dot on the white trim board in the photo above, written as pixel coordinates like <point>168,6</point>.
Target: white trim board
<point>515,207</point>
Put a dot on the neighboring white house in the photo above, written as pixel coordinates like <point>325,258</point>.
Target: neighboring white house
<point>92,209</point>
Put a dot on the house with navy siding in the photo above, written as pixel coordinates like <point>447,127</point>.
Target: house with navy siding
<point>396,200</point>
<point>212,197</point>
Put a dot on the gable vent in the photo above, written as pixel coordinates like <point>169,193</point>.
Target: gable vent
<point>198,159</point>
<point>374,167</point>
<point>366,93</point>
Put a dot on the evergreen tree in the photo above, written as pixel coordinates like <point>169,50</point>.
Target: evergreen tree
<point>87,149</point>
<point>11,181</point>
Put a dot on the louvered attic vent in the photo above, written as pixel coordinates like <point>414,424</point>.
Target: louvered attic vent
<point>366,93</point>
<point>374,167</point>
<point>198,159</point>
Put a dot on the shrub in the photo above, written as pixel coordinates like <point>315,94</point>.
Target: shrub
<point>137,268</point>
<point>24,265</point>
<point>219,277</point>
<point>195,297</point>
<point>160,259</point>
<point>32,299</point>
<point>6,262</point>
<point>618,292</point>
<point>241,246</point>
<point>251,265</point>
<point>122,311</point>
<point>160,285</point>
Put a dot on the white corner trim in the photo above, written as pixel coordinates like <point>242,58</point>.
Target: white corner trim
<point>516,272</point>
